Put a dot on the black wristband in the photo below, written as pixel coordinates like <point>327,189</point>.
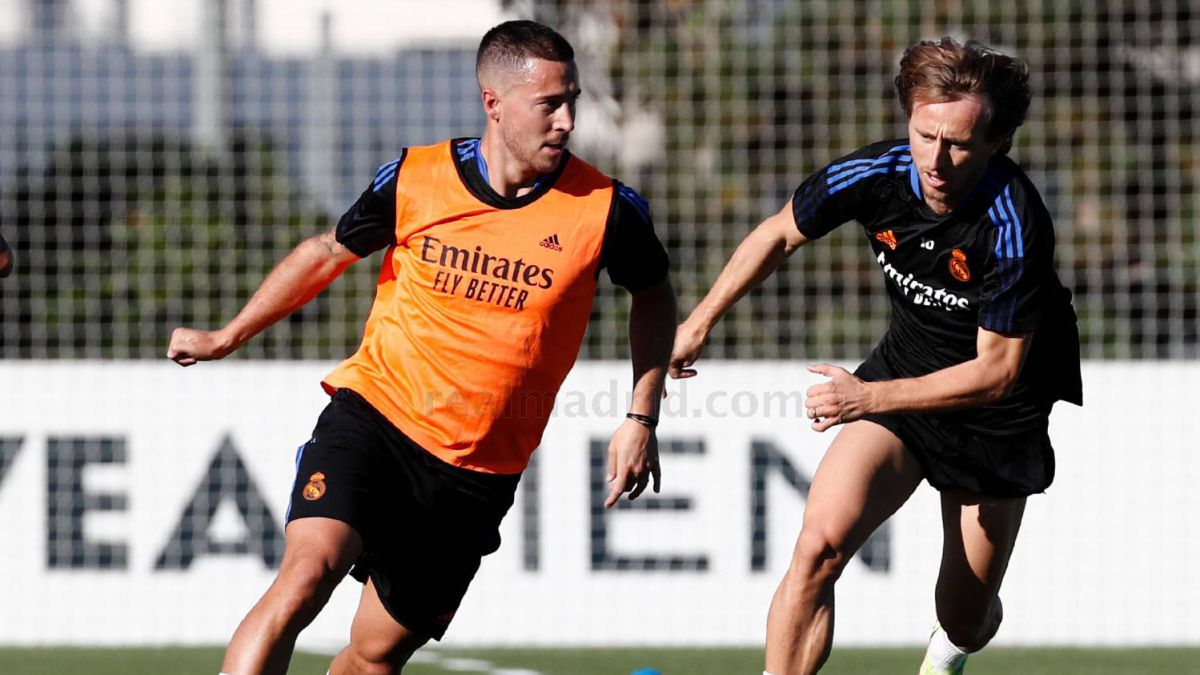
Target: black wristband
<point>644,420</point>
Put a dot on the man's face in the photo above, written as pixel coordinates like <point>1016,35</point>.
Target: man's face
<point>950,148</point>
<point>535,113</point>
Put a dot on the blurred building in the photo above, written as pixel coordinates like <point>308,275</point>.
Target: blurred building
<point>334,117</point>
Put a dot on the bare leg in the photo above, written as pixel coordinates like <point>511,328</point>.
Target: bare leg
<point>318,553</point>
<point>864,477</point>
<point>978,538</point>
<point>378,644</point>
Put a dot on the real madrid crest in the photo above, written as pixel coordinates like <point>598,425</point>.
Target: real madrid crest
<point>958,265</point>
<point>315,488</point>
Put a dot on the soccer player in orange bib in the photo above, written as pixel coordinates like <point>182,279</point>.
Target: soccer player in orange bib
<point>493,251</point>
<point>982,342</point>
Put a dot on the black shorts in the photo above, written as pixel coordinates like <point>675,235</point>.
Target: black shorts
<point>953,457</point>
<point>425,524</point>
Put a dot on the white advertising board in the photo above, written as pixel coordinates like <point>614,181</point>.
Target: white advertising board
<point>141,503</point>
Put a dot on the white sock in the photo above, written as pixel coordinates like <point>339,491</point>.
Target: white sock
<point>943,654</point>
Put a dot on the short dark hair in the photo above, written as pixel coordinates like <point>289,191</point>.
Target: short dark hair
<point>944,70</point>
<point>508,45</point>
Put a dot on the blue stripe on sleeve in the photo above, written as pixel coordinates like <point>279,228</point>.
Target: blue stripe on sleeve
<point>845,174</point>
<point>1010,258</point>
<point>837,177</point>
<point>999,216</point>
<point>299,456</point>
<point>914,180</point>
<point>1001,222</point>
<point>810,201</point>
<point>838,187</point>
<point>1010,240</point>
<point>481,164</point>
<point>840,171</point>
<point>634,199</point>
<point>1002,310</point>
<point>807,209</point>
<point>467,149</point>
<point>1018,233</point>
<point>896,150</point>
<point>385,173</point>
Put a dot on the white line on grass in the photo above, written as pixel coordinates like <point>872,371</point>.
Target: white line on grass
<point>454,663</point>
<point>466,665</point>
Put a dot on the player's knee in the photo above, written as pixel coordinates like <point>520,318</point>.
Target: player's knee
<point>305,586</point>
<point>377,657</point>
<point>819,557</point>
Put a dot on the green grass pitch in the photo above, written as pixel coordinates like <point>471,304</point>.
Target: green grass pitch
<point>996,661</point>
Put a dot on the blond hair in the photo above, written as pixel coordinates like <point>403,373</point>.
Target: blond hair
<point>944,70</point>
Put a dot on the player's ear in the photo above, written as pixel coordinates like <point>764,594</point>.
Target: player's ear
<point>491,104</point>
<point>1002,145</point>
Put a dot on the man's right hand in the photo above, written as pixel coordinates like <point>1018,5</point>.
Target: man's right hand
<point>189,345</point>
<point>689,342</point>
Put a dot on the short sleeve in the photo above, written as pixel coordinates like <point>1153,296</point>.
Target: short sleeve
<point>841,191</point>
<point>1019,283</point>
<point>370,224</point>
<point>631,252</point>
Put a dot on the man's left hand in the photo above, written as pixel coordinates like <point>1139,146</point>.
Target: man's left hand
<point>844,398</point>
<point>632,461</point>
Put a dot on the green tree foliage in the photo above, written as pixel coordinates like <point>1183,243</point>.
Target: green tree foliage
<point>121,239</point>
<point>756,95</point>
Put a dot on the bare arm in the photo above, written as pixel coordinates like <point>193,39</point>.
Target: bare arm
<point>651,326</point>
<point>984,379</point>
<point>633,452</point>
<point>756,258</point>
<point>6,258</point>
<point>298,278</point>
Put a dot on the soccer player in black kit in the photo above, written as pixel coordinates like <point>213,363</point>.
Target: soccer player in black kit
<point>982,342</point>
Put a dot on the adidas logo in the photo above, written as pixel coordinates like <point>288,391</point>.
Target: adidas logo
<point>887,237</point>
<point>551,243</point>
